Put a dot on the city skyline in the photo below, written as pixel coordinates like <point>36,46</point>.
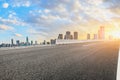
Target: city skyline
<point>44,19</point>
<point>67,36</point>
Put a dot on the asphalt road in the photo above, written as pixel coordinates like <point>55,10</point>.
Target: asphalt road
<point>85,61</point>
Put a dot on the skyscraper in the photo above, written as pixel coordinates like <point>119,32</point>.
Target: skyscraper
<point>31,42</point>
<point>53,41</point>
<point>60,36</point>
<point>68,35</point>
<point>44,42</point>
<point>12,42</point>
<point>18,43</point>
<point>71,36</point>
<point>88,36</point>
<point>76,35</point>
<point>101,33</point>
<point>27,40</point>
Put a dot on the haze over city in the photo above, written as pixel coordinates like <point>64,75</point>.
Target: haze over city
<point>44,20</point>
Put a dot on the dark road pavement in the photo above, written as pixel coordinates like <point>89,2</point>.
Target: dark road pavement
<point>84,61</point>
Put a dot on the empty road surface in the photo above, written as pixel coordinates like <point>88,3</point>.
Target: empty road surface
<point>84,61</point>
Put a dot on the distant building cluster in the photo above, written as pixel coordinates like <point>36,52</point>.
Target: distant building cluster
<point>68,36</point>
<point>18,43</point>
<point>100,35</point>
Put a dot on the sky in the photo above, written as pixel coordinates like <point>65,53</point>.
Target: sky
<point>45,19</point>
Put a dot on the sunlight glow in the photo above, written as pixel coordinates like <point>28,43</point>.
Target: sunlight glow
<point>115,34</point>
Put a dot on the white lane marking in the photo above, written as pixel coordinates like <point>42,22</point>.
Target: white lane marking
<point>118,67</point>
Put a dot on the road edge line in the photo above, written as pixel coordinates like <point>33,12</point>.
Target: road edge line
<point>118,66</point>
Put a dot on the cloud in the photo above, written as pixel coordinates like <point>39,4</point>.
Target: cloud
<point>36,32</point>
<point>113,5</point>
<point>27,4</point>
<point>12,15</point>
<point>5,27</point>
<point>68,14</point>
<point>56,16</point>
<point>5,5</point>
<point>12,20</point>
<point>17,35</point>
<point>66,10</point>
<point>46,11</point>
<point>20,3</point>
<point>96,2</point>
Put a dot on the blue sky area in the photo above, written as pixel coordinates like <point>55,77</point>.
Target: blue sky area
<point>45,19</point>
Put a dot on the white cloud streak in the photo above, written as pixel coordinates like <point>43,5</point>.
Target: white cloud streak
<point>17,35</point>
<point>5,27</point>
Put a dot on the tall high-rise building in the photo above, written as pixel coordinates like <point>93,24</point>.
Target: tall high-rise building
<point>64,36</point>
<point>76,35</point>
<point>53,41</point>
<point>17,42</point>
<point>71,36</point>
<point>44,42</point>
<point>88,36</point>
<point>27,40</point>
<point>60,36</point>
<point>68,35</point>
<point>12,42</point>
<point>31,42</point>
<point>101,33</point>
